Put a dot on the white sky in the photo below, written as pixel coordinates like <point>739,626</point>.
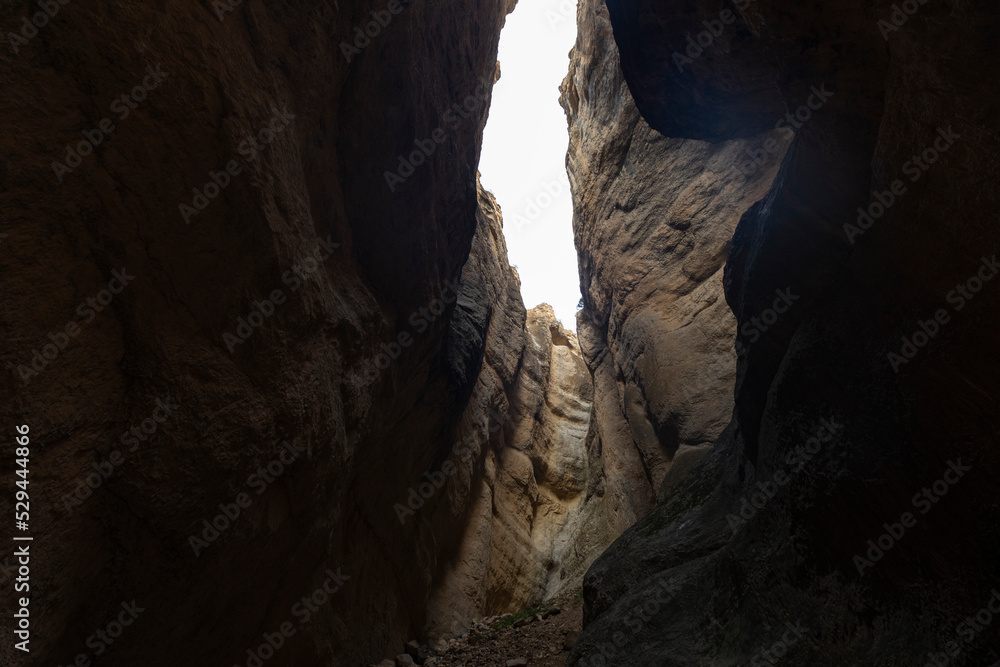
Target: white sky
<point>524,153</point>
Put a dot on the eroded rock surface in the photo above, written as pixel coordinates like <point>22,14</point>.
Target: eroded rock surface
<point>831,436</point>
<point>305,297</point>
<point>528,534</point>
<point>317,288</point>
<point>653,218</point>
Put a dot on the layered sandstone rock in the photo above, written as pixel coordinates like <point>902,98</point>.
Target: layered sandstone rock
<point>321,288</point>
<point>307,296</point>
<point>831,436</point>
<point>653,218</point>
<point>526,536</point>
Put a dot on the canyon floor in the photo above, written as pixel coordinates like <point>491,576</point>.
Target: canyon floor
<point>539,636</point>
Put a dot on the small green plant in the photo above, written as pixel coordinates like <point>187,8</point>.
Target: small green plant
<point>509,620</point>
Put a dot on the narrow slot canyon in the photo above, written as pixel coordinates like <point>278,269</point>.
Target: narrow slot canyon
<point>275,393</point>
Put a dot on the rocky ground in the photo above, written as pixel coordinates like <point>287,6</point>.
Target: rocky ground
<point>540,636</point>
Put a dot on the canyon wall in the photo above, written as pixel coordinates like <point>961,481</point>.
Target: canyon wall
<point>653,219</point>
<point>277,372</point>
<point>845,514</point>
<point>522,497</point>
<point>261,304</point>
<point>527,535</point>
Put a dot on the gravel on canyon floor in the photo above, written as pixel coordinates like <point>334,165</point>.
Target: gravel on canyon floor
<point>541,636</point>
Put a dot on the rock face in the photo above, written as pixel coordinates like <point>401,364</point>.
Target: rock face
<point>812,530</point>
<point>527,536</point>
<point>315,306</point>
<point>522,499</point>
<point>279,378</point>
<point>312,401</point>
<point>653,219</point>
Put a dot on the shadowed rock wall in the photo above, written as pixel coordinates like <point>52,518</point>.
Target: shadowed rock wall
<point>653,219</point>
<point>264,333</point>
<point>264,302</point>
<point>848,410</point>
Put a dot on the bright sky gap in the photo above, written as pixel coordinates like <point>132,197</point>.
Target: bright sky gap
<point>524,154</point>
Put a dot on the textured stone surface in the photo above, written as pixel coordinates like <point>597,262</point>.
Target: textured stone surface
<point>311,371</point>
<point>400,347</point>
<point>653,218</point>
<point>405,346</point>
<point>527,535</point>
<point>720,591</point>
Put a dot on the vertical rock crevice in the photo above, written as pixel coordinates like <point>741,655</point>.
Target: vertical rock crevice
<point>367,363</point>
<point>519,512</point>
<point>460,455</point>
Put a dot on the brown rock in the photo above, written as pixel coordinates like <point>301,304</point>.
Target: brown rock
<point>527,536</point>
<point>822,367</point>
<point>656,329</point>
<point>313,371</point>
